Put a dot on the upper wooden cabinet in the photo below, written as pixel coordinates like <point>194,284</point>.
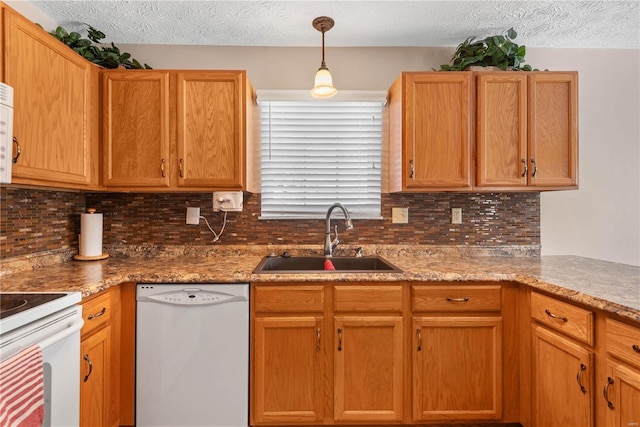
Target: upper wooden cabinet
<point>55,107</point>
<point>526,130</point>
<point>429,145</point>
<point>136,128</point>
<point>178,130</point>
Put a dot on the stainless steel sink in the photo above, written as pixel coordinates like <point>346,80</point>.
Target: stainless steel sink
<point>315,264</point>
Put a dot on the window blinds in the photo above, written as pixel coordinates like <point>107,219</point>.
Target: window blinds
<point>316,153</point>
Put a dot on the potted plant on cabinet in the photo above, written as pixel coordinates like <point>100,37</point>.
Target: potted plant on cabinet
<point>107,56</point>
<point>498,51</point>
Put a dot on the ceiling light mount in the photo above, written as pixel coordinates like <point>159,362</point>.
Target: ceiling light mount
<point>323,87</point>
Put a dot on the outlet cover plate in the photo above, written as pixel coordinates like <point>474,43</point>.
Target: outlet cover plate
<point>227,201</point>
<point>400,215</point>
<point>193,216</point>
<point>456,215</point>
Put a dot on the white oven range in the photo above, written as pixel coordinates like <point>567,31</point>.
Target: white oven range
<point>52,321</point>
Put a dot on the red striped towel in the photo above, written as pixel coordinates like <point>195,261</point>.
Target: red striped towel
<point>22,389</point>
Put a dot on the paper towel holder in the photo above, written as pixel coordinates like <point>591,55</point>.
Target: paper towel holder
<point>79,257</point>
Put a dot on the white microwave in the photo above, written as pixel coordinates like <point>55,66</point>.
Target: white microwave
<point>6,132</point>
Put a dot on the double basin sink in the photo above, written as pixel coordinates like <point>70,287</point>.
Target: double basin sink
<point>315,264</point>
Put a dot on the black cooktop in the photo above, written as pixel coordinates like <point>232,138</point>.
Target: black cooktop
<point>12,303</point>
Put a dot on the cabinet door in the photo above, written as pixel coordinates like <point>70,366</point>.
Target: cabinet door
<point>94,382</point>
<point>437,135</point>
<point>562,381</point>
<point>53,89</point>
<point>501,129</point>
<point>368,361</point>
<point>553,129</point>
<point>288,369</point>
<point>622,394</point>
<point>136,128</point>
<point>457,368</point>
<point>211,129</point>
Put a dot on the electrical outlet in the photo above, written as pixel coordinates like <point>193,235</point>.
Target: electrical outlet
<point>227,201</point>
<point>400,215</point>
<point>456,215</point>
<point>193,216</point>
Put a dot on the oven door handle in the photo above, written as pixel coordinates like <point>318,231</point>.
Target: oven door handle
<point>73,327</point>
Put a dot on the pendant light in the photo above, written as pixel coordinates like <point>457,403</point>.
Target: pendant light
<point>323,87</point>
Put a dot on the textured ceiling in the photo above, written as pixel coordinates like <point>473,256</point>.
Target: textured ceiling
<point>562,24</point>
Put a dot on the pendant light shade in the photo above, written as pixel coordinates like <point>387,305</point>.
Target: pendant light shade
<point>323,84</point>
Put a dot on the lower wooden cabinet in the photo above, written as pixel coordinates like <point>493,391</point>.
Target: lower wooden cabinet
<point>368,379</point>
<point>457,368</point>
<point>562,381</point>
<point>339,354</point>
<point>621,392</point>
<point>289,369</point>
<point>99,360</point>
<point>95,385</point>
<point>457,352</point>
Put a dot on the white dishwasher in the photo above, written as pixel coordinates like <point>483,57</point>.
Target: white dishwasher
<point>192,355</point>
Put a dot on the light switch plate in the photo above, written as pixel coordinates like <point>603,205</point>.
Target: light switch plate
<point>400,215</point>
<point>456,215</point>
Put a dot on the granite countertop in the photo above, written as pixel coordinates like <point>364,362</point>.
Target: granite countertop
<point>607,286</point>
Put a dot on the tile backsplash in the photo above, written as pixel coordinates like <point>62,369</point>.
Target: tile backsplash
<point>38,220</point>
<point>33,221</point>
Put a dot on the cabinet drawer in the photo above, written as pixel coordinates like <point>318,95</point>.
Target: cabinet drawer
<point>456,298</point>
<point>96,312</point>
<point>289,299</point>
<point>574,321</point>
<point>623,341</point>
<point>367,298</point>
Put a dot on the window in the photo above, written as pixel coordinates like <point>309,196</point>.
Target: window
<point>315,153</point>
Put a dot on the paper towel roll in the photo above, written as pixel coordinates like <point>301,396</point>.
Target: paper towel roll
<point>90,238</point>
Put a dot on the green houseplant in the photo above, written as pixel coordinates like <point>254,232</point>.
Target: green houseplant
<point>494,51</point>
<point>105,55</point>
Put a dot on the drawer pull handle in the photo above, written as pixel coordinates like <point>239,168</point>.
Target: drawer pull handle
<point>86,358</point>
<point>18,150</point>
<point>636,348</point>
<point>535,168</point>
<point>555,316</point>
<point>318,339</point>
<point>162,168</point>
<point>525,168</point>
<point>606,392</point>
<point>583,368</point>
<point>339,339</point>
<point>465,299</point>
<point>98,314</point>
<point>412,170</point>
<point>181,168</point>
<point>419,333</point>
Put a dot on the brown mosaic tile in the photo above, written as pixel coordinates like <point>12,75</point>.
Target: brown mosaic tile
<point>39,220</point>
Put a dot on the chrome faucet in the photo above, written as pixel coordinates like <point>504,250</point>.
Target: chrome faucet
<point>330,245</point>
